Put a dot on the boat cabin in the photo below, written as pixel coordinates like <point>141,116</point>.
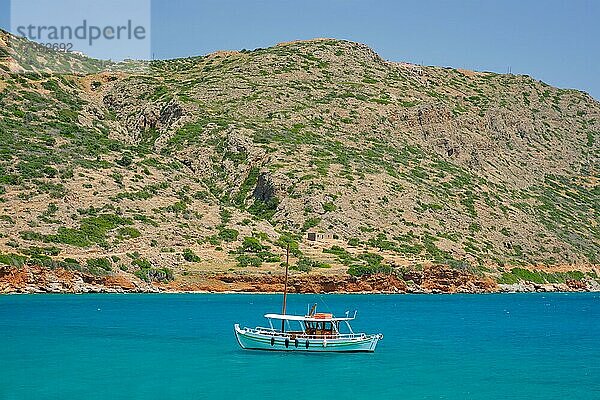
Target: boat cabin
<point>320,328</point>
<point>316,325</point>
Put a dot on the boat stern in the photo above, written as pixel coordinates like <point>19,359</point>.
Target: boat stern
<point>375,340</point>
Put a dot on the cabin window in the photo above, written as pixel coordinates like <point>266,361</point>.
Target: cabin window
<point>313,327</point>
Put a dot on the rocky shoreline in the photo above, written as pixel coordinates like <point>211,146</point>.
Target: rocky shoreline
<point>432,280</point>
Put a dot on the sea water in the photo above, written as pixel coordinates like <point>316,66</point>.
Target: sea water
<point>181,346</point>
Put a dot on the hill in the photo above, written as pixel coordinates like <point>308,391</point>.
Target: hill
<point>189,167</point>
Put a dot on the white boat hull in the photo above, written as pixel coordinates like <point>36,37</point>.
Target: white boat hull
<point>276,341</point>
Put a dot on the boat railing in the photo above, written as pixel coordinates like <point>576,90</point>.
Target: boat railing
<point>273,332</point>
<point>264,329</point>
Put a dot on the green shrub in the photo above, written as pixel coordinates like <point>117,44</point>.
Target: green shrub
<point>155,274</point>
<point>141,263</point>
<point>361,270</point>
<point>126,160</point>
<point>148,273</point>
<point>55,190</point>
<point>228,235</point>
<point>337,250</point>
<point>267,256</point>
<point>98,266</point>
<point>13,260</point>
<point>7,218</point>
<point>41,260</point>
<point>69,263</point>
<point>530,276</point>
<point>215,240</point>
<point>245,260</point>
<point>311,223</point>
<point>344,256</point>
<point>257,251</point>
<point>10,179</point>
<point>520,274</point>
<point>246,186</point>
<point>508,279</point>
<point>30,235</point>
<point>117,177</point>
<point>382,243</point>
<point>372,265</point>
<point>329,206</point>
<point>251,245</point>
<point>371,259</point>
<point>264,209</point>
<point>574,275</point>
<point>225,215</point>
<point>190,256</point>
<point>305,264</point>
<point>353,242</point>
<point>145,220</point>
<point>200,195</point>
<point>288,238</point>
<point>178,207</point>
<point>92,230</point>
<point>47,251</point>
<point>51,210</point>
<point>128,232</point>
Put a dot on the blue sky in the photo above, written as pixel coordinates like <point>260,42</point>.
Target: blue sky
<point>555,41</point>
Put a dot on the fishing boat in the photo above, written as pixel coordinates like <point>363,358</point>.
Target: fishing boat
<point>314,332</point>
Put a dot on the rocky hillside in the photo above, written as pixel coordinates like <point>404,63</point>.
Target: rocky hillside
<point>179,168</point>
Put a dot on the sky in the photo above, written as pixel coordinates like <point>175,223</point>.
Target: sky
<point>554,41</point>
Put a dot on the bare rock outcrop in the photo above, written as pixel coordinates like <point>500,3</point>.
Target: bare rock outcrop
<point>43,280</point>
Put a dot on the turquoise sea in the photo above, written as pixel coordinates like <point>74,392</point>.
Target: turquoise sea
<point>181,346</point>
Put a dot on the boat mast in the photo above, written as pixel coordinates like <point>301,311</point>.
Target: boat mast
<point>287,264</point>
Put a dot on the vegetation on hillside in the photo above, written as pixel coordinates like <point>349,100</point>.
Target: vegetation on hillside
<point>226,158</point>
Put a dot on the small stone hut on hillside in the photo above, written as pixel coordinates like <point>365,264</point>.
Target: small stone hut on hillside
<point>315,236</point>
